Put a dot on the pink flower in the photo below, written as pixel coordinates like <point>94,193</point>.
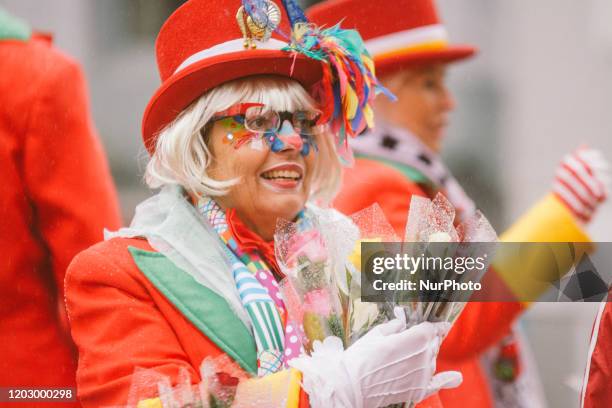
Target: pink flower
<point>309,244</point>
<point>318,302</point>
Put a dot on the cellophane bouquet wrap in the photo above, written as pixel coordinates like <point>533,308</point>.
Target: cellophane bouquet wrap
<point>220,379</point>
<point>432,229</point>
<point>310,290</point>
<point>322,288</point>
<point>322,282</point>
<point>222,384</point>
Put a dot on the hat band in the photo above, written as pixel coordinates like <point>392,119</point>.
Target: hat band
<point>226,48</point>
<point>426,37</point>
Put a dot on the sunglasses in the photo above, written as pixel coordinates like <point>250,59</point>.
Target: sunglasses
<point>258,118</point>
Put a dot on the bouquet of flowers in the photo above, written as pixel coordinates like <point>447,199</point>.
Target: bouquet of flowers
<point>322,288</point>
<point>431,229</point>
<point>322,285</point>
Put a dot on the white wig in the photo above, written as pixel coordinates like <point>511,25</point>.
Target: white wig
<point>182,155</point>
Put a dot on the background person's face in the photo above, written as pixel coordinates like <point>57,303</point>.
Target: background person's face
<point>272,185</point>
<point>423,105</point>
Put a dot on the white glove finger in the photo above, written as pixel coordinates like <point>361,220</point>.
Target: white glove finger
<point>396,325</point>
<point>329,344</point>
<point>426,331</point>
<point>400,313</point>
<point>385,329</point>
<point>421,333</point>
<point>415,393</point>
<point>414,349</point>
<point>393,326</point>
<point>442,328</point>
<point>443,380</point>
<point>423,338</point>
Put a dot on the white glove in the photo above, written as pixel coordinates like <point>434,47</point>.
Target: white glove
<point>388,365</point>
<point>582,182</point>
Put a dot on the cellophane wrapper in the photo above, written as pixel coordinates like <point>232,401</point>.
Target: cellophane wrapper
<point>434,222</point>
<point>309,289</point>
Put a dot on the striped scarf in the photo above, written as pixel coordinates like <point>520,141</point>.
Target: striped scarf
<point>259,294</point>
<point>400,145</point>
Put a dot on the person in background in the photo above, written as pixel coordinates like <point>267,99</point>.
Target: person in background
<point>400,158</point>
<point>56,198</point>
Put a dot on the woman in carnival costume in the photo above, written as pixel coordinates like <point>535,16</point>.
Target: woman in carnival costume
<point>184,304</point>
<point>400,158</point>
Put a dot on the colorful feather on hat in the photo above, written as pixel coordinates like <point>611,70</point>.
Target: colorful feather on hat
<point>349,83</point>
<point>351,77</point>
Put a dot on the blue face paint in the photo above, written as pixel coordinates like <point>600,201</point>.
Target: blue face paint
<point>287,136</point>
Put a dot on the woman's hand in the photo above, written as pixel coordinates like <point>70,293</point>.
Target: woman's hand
<point>388,365</point>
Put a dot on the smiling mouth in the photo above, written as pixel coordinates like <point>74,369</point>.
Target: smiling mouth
<point>282,175</point>
<point>283,178</point>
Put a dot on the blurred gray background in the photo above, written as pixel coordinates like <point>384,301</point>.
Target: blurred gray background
<point>539,87</point>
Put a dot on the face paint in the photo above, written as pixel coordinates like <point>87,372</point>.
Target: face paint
<point>287,136</point>
<point>237,134</point>
<point>238,122</point>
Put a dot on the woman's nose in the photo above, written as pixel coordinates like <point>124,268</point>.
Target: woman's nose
<point>290,138</point>
<point>448,100</point>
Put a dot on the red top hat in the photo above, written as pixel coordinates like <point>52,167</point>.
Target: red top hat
<point>205,43</point>
<point>397,33</point>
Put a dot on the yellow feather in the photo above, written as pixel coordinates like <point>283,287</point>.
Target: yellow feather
<point>368,62</point>
<point>351,102</point>
<point>369,116</point>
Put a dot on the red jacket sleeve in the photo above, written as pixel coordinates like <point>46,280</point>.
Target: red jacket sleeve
<point>65,170</point>
<point>480,325</point>
<point>370,182</point>
<point>117,326</point>
<point>597,391</point>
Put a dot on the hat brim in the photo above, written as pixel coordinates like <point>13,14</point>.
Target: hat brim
<point>184,87</point>
<point>391,63</point>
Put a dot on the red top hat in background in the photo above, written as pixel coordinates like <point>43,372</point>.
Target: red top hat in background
<point>205,43</point>
<point>397,33</point>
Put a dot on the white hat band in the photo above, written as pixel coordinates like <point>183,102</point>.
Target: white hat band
<point>226,48</point>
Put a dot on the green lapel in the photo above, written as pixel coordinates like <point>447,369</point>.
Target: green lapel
<point>409,172</point>
<point>208,311</point>
<point>11,28</point>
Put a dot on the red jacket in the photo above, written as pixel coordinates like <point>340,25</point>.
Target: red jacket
<point>597,389</point>
<point>56,197</point>
<point>107,297</point>
<point>131,307</point>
